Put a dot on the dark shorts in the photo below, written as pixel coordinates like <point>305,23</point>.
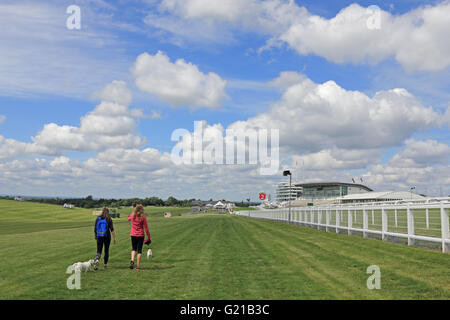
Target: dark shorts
<point>137,243</point>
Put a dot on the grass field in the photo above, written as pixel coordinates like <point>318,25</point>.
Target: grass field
<point>207,257</point>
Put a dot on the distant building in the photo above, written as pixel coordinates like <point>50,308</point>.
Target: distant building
<point>68,206</point>
<point>328,190</point>
<point>283,193</point>
<point>380,196</point>
<point>224,206</point>
<point>318,190</point>
<point>201,203</point>
<point>18,199</point>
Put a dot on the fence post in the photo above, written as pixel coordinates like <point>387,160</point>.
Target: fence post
<point>365,222</point>
<point>373,216</point>
<point>327,219</point>
<point>319,218</point>
<point>350,221</point>
<point>396,219</point>
<point>427,217</point>
<point>410,218</point>
<point>384,224</point>
<point>444,229</point>
<point>338,220</point>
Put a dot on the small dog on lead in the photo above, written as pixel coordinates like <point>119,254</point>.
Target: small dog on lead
<point>149,253</point>
<point>84,266</point>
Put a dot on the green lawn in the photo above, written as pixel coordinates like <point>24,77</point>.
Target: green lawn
<point>207,257</point>
<point>243,209</point>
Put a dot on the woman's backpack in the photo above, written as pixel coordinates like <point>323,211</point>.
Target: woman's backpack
<point>101,227</point>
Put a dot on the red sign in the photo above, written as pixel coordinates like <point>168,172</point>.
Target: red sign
<point>262,196</point>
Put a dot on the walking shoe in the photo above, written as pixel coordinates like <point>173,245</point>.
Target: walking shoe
<point>137,268</point>
<point>104,267</point>
<point>131,264</point>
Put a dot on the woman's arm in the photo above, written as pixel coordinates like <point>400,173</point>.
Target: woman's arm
<point>95,228</point>
<point>111,227</point>
<point>114,236</point>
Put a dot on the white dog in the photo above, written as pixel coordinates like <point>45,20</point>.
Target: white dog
<point>149,253</point>
<point>86,266</point>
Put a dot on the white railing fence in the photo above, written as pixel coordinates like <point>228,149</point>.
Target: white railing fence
<point>416,222</point>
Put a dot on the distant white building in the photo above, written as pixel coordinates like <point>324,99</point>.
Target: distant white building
<point>230,205</point>
<point>219,205</point>
<point>68,206</point>
<point>379,196</point>
<point>18,199</point>
<point>284,193</point>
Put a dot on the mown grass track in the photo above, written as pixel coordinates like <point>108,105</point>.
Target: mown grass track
<point>208,257</point>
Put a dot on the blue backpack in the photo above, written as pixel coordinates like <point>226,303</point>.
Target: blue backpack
<point>102,227</point>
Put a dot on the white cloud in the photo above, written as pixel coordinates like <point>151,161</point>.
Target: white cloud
<point>178,83</point>
<point>128,173</point>
<point>2,118</point>
<point>156,115</point>
<point>336,159</point>
<point>225,10</point>
<point>117,92</point>
<point>416,39</point>
<point>109,125</point>
<point>216,20</point>
<point>423,164</point>
<point>153,171</point>
<point>312,117</point>
<point>10,149</point>
<point>421,154</point>
<point>286,79</point>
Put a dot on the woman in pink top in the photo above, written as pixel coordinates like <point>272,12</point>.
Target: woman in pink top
<point>138,225</point>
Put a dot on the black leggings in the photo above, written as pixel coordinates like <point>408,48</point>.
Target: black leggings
<point>100,242</point>
<point>137,243</point>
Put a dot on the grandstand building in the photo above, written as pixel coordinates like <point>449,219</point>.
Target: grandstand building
<point>328,190</point>
<point>318,190</point>
<point>380,196</point>
<point>283,193</point>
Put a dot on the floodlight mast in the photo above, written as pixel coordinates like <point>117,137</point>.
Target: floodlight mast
<point>288,173</point>
<point>410,190</point>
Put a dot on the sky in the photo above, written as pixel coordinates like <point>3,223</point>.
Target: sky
<point>92,91</point>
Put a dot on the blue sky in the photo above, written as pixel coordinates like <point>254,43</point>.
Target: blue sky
<point>53,75</point>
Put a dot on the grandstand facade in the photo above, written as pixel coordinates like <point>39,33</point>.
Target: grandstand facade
<point>317,190</point>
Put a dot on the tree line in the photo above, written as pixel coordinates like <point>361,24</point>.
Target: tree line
<point>90,202</point>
